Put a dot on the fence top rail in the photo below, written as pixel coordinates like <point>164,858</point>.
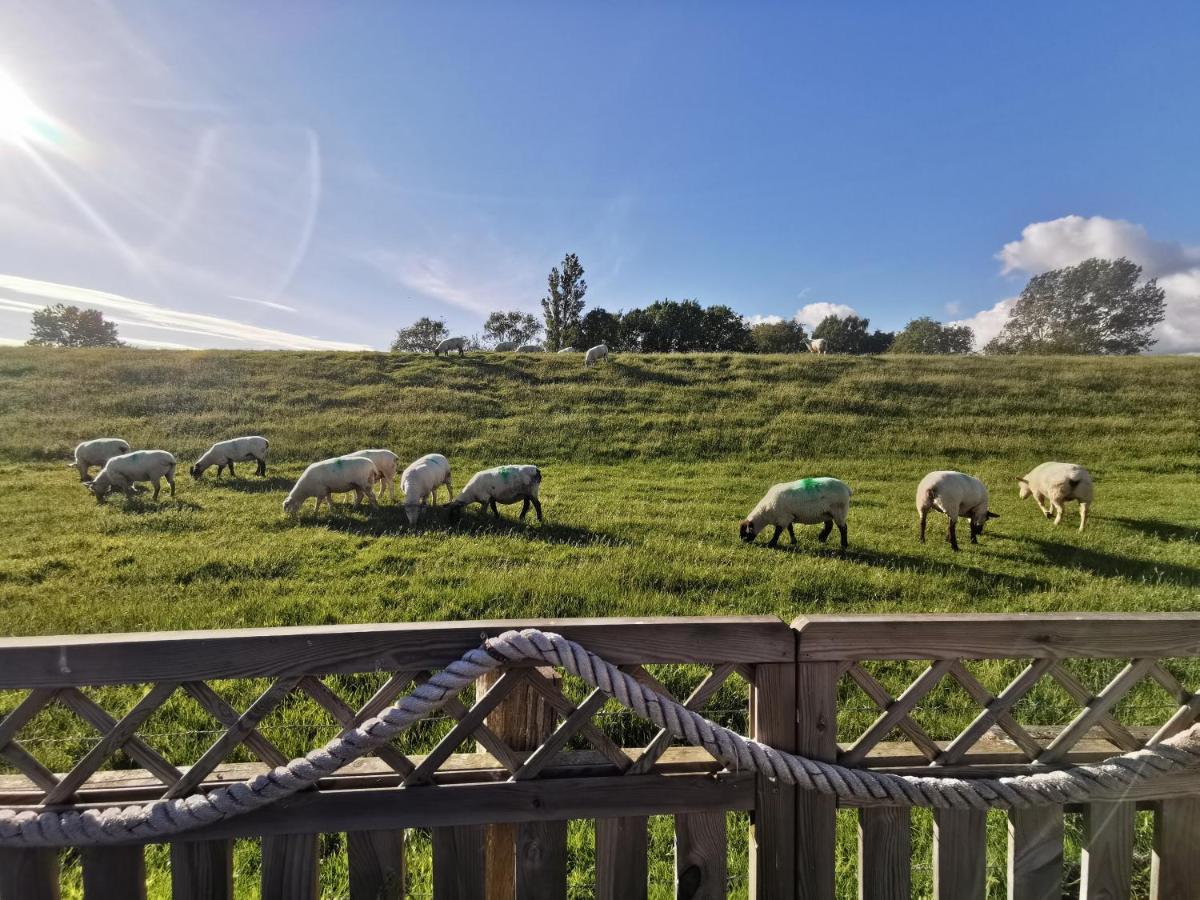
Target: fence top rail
<point>998,636</point>
<point>102,659</point>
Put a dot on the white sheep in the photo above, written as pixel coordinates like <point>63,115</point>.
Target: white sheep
<point>817,345</point>
<point>809,501</point>
<point>1056,483</point>
<point>96,453</point>
<point>593,356</point>
<point>454,343</point>
<point>334,476</point>
<point>531,348</point>
<point>954,494</point>
<point>505,347</point>
<point>122,472</point>
<point>226,453</point>
<point>385,463</point>
<point>420,482</point>
<point>503,484</point>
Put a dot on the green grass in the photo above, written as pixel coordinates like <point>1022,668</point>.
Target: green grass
<point>648,463</point>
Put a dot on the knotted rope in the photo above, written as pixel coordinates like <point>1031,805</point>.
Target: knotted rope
<point>161,819</point>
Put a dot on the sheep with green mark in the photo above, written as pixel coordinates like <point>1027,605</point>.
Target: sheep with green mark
<point>334,476</point>
<point>503,484</point>
<point>385,463</point>
<point>809,501</point>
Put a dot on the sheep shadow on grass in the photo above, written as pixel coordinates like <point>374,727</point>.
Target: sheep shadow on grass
<point>253,484</point>
<point>143,504</point>
<point>1113,565</point>
<point>1157,528</point>
<point>979,579</point>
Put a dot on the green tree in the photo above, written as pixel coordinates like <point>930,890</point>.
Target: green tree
<point>564,302</point>
<point>516,326</point>
<point>724,331</point>
<point>422,336</point>
<point>70,326</point>
<point>850,335</point>
<point>779,337</point>
<point>1096,307</point>
<point>599,326</point>
<point>924,335</point>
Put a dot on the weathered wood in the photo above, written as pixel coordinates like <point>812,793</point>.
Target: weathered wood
<point>701,850</point>
<point>1096,710</point>
<point>113,873</point>
<point>217,707</point>
<point>348,719</point>
<point>816,814</point>
<point>622,871</point>
<point>28,765</point>
<point>458,863</point>
<point>202,870</point>
<point>1081,694</point>
<point>1107,864</point>
<point>567,729</point>
<point>1175,865</point>
<point>541,861</point>
<point>376,863</point>
<point>894,713</point>
<point>597,738</point>
<point>92,713</point>
<point>994,712</point>
<point>884,853</point>
<point>998,636</point>
<point>60,660</point>
<point>290,867</point>
<point>773,860</point>
<point>697,699</point>
<point>29,874</point>
<point>1035,853</point>
<point>959,854</point>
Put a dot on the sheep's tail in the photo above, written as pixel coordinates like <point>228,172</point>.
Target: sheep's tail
<point>265,441</point>
<point>537,475</point>
<point>928,497</point>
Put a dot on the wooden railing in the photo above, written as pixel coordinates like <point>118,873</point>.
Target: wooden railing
<point>119,719</point>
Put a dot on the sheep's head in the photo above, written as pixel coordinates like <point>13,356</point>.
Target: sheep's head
<point>291,504</point>
<point>748,530</point>
<point>197,470</point>
<point>99,487</point>
<point>454,510</point>
<point>412,511</point>
<point>1024,490</point>
<point>978,523</point>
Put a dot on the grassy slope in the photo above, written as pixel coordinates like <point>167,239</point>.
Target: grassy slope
<point>649,463</point>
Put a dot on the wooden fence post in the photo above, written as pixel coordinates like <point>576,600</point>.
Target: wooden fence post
<point>773,838</point>
<point>202,870</point>
<point>816,814</point>
<point>29,874</point>
<point>1175,866</point>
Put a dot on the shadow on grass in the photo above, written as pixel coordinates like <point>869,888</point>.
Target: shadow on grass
<point>979,578</point>
<point>255,485</point>
<point>144,504</point>
<point>638,373</point>
<point>1156,528</point>
<point>1112,565</point>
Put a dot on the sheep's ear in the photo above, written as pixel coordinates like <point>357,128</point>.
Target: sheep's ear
<point>1023,481</point>
<point>992,515</point>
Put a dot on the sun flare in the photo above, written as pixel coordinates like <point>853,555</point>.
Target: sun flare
<point>21,120</point>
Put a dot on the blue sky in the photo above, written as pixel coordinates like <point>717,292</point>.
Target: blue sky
<point>317,175</point>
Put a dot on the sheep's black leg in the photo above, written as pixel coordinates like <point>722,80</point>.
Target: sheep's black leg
<point>495,508</point>
<point>924,515</point>
<point>524,508</point>
<point>845,542</point>
<point>262,467</point>
<point>974,532</point>
<point>537,508</point>
<point>825,529</point>
<point>792,532</point>
<point>775,537</point>
<point>157,488</point>
<point>231,472</point>
<point>953,537</point>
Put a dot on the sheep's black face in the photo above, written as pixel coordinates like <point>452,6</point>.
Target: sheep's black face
<point>196,472</point>
<point>454,511</point>
<point>747,531</point>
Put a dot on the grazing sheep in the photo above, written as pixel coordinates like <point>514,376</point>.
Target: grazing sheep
<point>817,345</point>
<point>505,347</point>
<point>808,501</point>
<point>226,453</point>
<point>593,356</point>
<point>531,348</point>
<point>385,463</point>
<point>1056,483</point>
<point>503,484</point>
<point>334,476</point>
<point>954,494</point>
<point>96,453</point>
<point>454,343</point>
<point>122,472</point>
<point>420,482</point>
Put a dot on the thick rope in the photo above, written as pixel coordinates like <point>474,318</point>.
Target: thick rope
<point>161,819</point>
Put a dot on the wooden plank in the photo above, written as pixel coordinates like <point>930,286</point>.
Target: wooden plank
<point>92,713</point>
<point>29,874</point>
<point>894,713</point>
<point>597,738</point>
<point>376,863</point>
<point>31,704</point>
<point>959,854</point>
<point>1107,864</point>
<point>28,765</point>
<point>884,853</point>
<point>458,863</point>
<point>346,717</point>
<point>994,712</point>
<point>1035,853</point>
<point>114,873</point>
<point>701,851</point>
<point>622,871</point>
<point>1175,865</point>
<point>541,860</point>
<point>816,814</point>
<point>696,700</point>
<point>773,826</point>
<point>1081,694</point>
<point>61,660</point>
<point>202,870</point>
<point>290,867</point>
<point>999,636</point>
<point>1096,710</point>
<point>566,730</point>
<point>217,707</point>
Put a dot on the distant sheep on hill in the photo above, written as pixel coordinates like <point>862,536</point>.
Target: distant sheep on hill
<point>449,344</point>
<point>817,345</point>
<point>594,355</point>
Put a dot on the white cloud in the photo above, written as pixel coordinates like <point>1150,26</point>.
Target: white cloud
<point>268,303</point>
<point>953,309</point>
<point>811,314</point>
<point>158,345</point>
<point>10,342</point>
<point>987,322</point>
<point>138,313</point>
<point>764,320</point>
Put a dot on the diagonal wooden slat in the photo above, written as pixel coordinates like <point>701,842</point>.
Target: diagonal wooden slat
<point>1169,683</point>
<point>234,736</point>
<point>214,704</point>
<point>1083,696</point>
<point>28,765</point>
<point>492,742</point>
<point>465,727</point>
<point>573,723</point>
<point>387,692</point>
<point>746,670</point>
<point>697,700</point>
<point>33,703</point>
<point>894,712</point>
<point>111,742</point>
<point>597,738</point>
<point>1181,719</point>
<point>1097,709</point>
<point>995,711</point>
<point>346,717</point>
<point>137,749</point>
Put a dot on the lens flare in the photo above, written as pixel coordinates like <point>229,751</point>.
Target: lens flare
<point>21,121</point>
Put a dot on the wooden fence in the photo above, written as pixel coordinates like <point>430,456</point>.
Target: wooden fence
<point>497,777</point>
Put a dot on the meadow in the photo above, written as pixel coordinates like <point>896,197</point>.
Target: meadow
<point>649,462</point>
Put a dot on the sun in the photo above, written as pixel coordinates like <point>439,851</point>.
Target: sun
<point>21,120</point>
